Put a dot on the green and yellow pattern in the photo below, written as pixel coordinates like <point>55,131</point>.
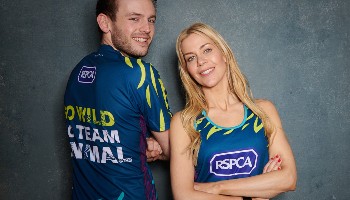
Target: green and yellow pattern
<point>203,123</point>
<point>156,84</point>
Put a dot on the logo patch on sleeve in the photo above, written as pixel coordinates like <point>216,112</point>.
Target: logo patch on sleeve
<point>87,74</point>
<point>233,163</point>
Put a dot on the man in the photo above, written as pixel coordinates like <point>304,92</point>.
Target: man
<point>113,102</point>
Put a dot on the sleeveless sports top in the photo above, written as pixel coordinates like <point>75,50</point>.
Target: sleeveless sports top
<point>230,152</point>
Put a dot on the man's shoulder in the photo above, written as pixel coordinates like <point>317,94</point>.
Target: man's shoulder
<point>136,62</point>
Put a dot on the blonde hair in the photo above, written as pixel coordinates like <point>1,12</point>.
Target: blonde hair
<point>195,99</point>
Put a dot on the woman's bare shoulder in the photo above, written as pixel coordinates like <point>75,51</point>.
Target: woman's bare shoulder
<point>266,105</point>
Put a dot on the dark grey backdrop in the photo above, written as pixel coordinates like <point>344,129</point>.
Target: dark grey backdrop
<point>294,52</point>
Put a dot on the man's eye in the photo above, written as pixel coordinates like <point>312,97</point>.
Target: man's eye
<point>134,19</point>
<point>152,21</point>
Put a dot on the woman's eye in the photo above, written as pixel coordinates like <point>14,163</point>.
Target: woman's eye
<point>189,59</point>
<point>207,50</point>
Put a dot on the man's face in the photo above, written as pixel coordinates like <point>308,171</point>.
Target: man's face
<point>133,30</point>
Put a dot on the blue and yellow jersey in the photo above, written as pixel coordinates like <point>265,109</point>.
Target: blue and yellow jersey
<point>111,104</point>
<point>231,152</point>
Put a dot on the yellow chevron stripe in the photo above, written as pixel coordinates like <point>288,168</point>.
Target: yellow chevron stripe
<point>128,62</point>
<point>257,127</point>
<point>164,93</point>
<point>162,121</point>
<point>199,121</point>
<point>148,97</point>
<point>212,131</point>
<point>228,132</point>
<point>250,116</point>
<point>245,125</point>
<point>207,124</point>
<point>143,73</point>
<point>153,80</point>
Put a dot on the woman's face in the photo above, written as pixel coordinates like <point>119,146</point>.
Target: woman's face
<point>204,61</point>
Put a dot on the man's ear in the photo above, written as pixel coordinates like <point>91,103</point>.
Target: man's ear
<point>103,22</point>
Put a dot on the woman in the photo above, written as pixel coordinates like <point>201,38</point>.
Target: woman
<point>221,141</point>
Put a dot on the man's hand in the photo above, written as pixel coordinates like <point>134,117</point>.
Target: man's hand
<point>154,150</point>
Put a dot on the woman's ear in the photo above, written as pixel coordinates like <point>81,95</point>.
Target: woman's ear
<point>103,22</point>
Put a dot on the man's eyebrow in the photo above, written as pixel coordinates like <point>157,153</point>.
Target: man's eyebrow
<point>138,14</point>
<point>133,13</point>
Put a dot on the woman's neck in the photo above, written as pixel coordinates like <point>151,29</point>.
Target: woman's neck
<point>220,98</point>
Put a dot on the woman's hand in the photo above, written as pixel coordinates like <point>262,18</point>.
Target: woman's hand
<point>273,164</point>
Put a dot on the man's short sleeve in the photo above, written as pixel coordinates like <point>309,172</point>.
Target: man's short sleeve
<point>151,97</point>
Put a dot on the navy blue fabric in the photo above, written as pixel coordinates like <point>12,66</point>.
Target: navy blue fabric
<point>111,104</point>
<point>231,152</point>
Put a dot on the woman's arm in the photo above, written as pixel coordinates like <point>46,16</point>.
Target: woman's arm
<point>266,185</point>
<point>181,166</point>
<point>163,140</point>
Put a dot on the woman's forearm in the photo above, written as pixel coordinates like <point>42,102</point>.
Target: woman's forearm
<point>265,185</point>
<point>197,195</point>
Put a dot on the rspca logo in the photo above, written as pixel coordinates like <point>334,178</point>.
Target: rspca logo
<point>87,74</point>
<point>234,163</point>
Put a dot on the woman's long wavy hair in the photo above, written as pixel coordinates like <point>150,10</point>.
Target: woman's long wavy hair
<point>195,99</point>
